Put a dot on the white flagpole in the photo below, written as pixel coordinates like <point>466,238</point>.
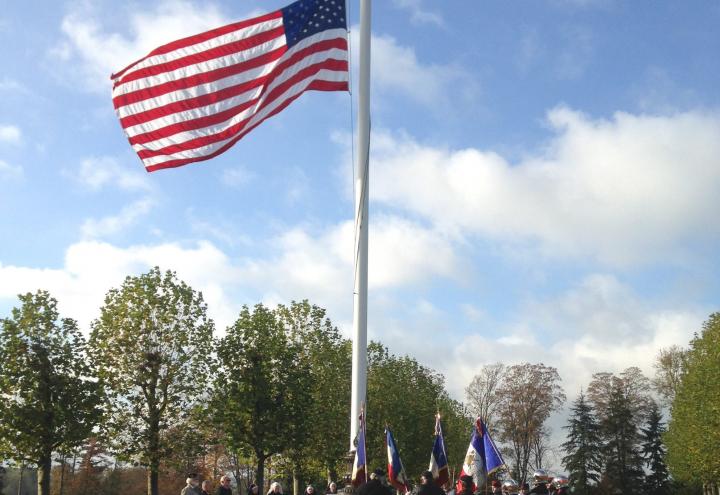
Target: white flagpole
<point>359,352</point>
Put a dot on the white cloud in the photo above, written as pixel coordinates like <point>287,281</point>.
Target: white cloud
<point>634,189</point>
<point>100,53</point>
<point>8,171</point>
<point>297,265</point>
<point>237,177</point>
<point>396,68</point>
<point>418,14</point>
<point>113,224</point>
<point>10,134</point>
<point>95,173</point>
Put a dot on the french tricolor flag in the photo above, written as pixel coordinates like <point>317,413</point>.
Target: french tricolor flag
<point>482,457</point>
<point>396,471</point>
<point>438,457</point>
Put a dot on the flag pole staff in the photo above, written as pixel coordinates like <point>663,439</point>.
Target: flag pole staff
<point>359,351</point>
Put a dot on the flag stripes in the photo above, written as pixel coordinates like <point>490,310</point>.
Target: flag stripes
<point>192,99</point>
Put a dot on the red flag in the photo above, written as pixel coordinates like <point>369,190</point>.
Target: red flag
<point>192,99</point>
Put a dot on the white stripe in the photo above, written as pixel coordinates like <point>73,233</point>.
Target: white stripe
<point>208,149</point>
<point>334,53</point>
<point>224,39</point>
<point>202,67</point>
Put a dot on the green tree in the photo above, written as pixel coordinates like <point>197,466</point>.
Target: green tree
<point>657,481</point>
<point>324,423</point>
<point>583,461</point>
<point>49,398</point>
<point>406,395</point>
<point>152,344</point>
<point>693,436</point>
<point>623,461</point>
<point>261,390</point>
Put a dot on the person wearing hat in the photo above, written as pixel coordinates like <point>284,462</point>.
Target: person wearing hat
<point>375,485</point>
<point>427,487</point>
<point>192,485</point>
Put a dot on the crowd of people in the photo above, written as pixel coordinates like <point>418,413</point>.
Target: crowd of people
<point>542,483</point>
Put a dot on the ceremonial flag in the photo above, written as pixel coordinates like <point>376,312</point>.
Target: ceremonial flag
<point>482,456</point>
<point>396,471</point>
<point>438,457</point>
<point>192,99</point>
<point>493,459</point>
<point>359,474</point>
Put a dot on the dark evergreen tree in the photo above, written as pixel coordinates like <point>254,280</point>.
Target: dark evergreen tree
<point>623,460</point>
<point>583,461</point>
<point>657,480</point>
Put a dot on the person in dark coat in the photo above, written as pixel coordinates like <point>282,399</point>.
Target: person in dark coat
<point>427,487</point>
<point>224,488</point>
<point>332,489</point>
<point>375,485</point>
<point>466,485</point>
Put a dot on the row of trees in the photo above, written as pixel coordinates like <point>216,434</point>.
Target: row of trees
<point>155,392</point>
<point>154,388</point>
<point>617,440</point>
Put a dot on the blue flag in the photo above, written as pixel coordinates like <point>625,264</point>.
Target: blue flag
<point>438,457</point>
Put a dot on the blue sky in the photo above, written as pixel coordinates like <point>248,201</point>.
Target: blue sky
<point>544,179</point>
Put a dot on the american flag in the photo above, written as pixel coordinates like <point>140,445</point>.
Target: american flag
<point>192,99</point>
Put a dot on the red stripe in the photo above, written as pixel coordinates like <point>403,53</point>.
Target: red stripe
<point>197,79</point>
<point>307,72</point>
<point>315,85</point>
<point>205,56</point>
<point>199,38</point>
<point>192,103</point>
<point>207,99</point>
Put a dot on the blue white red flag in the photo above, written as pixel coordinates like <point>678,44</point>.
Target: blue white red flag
<point>482,456</point>
<point>396,471</point>
<point>438,457</point>
<point>359,474</point>
<point>493,459</point>
<point>474,462</point>
<point>192,99</point>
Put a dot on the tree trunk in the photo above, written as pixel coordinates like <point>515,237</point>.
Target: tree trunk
<point>62,473</point>
<point>20,480</point>
<point>296,482</point>
<point>43,474</point>
<point>261,474</point>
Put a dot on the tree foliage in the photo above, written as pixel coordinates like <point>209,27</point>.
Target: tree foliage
<point>531,392</point>
<point>582,460</point>
<point>48,398</point>
<point>263,386</point>
<point>152,345</point>
<point>657,480</point>
<point>484,393</point>
<point>669,369</point>
<point>693,436</point>
<point>406,395</point>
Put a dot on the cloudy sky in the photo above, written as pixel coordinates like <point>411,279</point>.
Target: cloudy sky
<point>545,178</point>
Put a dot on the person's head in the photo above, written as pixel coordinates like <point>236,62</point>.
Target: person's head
<point>253,488</point>
<point>466,482</point>
<point>206,485</point>
<point>192,479</point>
<point>275,487</point>
<point>496,486</point>
<point>333,487</point>
<point>225,481</point>
<point>525,488</point>
<point>426,478</point>
<point>310,490</point>
<point>377,474</point>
